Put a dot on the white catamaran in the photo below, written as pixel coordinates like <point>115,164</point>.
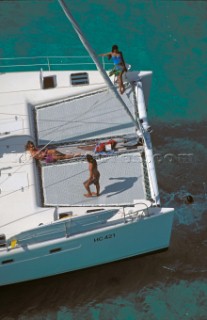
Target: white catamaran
<point>47,225</point>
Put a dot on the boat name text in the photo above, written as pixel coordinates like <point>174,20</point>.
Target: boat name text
<point>106,237</point>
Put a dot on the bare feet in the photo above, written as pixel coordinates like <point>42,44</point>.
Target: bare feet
<point>94,194</point>
<point>88,195</point>
<point>122,89</point>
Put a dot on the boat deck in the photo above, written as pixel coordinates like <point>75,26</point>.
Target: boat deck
<point>21,205</point>
<point>121,181</point>
<point>90,116</point>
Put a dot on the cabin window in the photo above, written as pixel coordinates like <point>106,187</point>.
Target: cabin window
<point>7,261</point>
<point>49,82</point>
<point>2,240</point>
<point>94,210</point>
<point>80,78</point>
<point>64,215</point>
<point>55,250</point>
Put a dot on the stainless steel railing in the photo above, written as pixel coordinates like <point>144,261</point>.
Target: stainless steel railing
<point>136,213</point>
<point>63,228</point>
<point>50,63</point>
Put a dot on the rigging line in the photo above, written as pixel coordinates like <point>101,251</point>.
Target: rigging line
<point>11,192</point>
<point>28,215</point>
<point>58,129</point>
<point>78,116</point>
<point>41,149</point>
<point>8,133</point>
<point>26,163</point>
<point>96,104</point>
<point>13,165</point>
<point>99,66</point>
<point>96,61</point>
<point>76,124</point>
<point>18,168</point>
<point>13,114</point>
<point>68,123</point>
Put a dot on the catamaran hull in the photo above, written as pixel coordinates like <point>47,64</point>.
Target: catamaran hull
<point>89,249</point>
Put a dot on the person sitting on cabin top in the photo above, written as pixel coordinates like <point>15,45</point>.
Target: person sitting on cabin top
<point>94,176</point>
<point>119,65</point>
<point>49,155</point>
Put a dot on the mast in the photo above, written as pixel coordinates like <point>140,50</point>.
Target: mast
<point>95,59</point>
<point>140,129</point>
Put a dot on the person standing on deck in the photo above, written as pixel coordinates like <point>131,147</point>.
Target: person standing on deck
<point>119,65</point>
<point>94,176</point>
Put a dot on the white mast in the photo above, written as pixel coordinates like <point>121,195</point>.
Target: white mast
<point>95,59</point>
<point>108,82</point>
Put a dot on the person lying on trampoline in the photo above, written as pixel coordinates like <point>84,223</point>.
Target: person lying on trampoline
<point>49,155</point>
<point>94,176</point>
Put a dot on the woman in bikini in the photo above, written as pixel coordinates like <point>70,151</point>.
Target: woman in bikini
<point>94,176</point>
<point>119,65</point>
<point>49,155</point>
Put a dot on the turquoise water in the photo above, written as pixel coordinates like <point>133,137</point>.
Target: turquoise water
<point>170,38</point>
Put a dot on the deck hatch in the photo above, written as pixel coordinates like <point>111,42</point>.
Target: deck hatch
<point>80,78</point>
<point>49,82</point>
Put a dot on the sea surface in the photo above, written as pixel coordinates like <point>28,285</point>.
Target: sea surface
<point>169,38</point>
